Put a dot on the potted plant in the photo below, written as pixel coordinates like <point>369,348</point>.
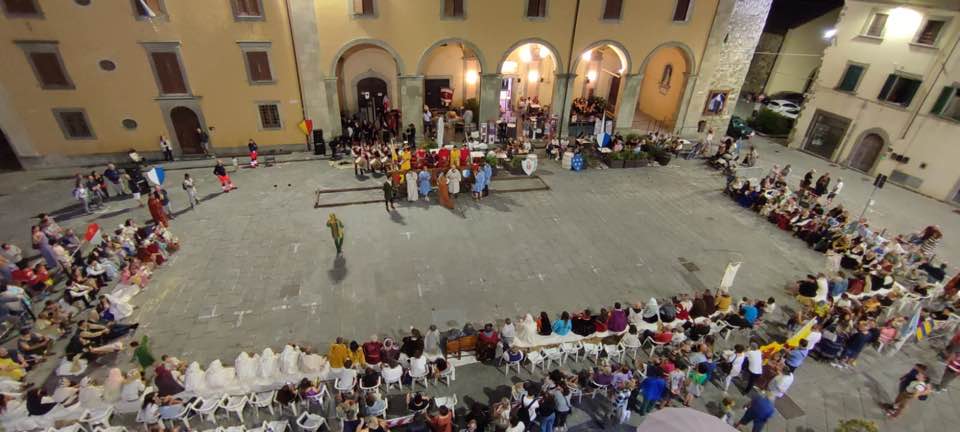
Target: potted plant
<point>616,159</point>
<point>515,166</point>
<point>632,138</point>
<point>641,159</point>
<point>857,425</point>
<point>661,155</point>
<point>492,160</point>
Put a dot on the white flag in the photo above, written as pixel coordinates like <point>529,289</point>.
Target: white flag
<point>728,276</point>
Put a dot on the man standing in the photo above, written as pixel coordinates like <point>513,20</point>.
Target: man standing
<point>759,411</point>
<point>166,149</point>
<point>389,196</point>
<point>336,231</point>
<point>191,190</point>
<point>754,367</point>
<point>204,139</point>
<point>652,388</point>
<point>252,147</point>
<point>113,177</point>
<point>221,172</point>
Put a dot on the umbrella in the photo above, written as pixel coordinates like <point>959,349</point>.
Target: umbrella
<point>683,420</point>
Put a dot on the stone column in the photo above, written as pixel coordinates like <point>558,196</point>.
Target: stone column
<point>411,102</point>
<point>306,46</point>
<point>562,103</point>
<point>332,103</point>
<point>678,127</point>
<point>628,101</point>
<point>489,97</point>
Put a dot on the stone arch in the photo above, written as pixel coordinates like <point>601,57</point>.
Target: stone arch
<point>880,133</point>
<point>618,48</point>
<point>401,69</point>
<point>373,74</point>
<point>473,47</point>
<point>684,48</point>
<point>520,43</point>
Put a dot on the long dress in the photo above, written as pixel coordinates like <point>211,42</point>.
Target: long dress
<point>479,181</point>
<point>527,330</point>
<point>442,192</point>
<point>405,157</point>
<point>453,181</point>
<point>487,177</point>
<point>455,157</point>
<point>424,180</point>
<point>412,186</point>
<point>156,211</point>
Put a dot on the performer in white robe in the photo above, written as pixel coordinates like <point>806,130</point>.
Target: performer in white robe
<point>219,377</point>
<point>194,380</point>
<point>289,359</point>
<point>431,343</point>
<point>90,395</point>
<point>527,331</point>
<point>453,179</point>
<point>246,367</point>
<point>313,363</point>
<point>411,179</point>
<point>268,364</point>
<point>112,386</point>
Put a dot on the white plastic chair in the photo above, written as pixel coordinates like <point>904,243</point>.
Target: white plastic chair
<point>97,417</point>
<point>276,426</point>
<point>365,389</point>
<point>554,356</point>
<point>76,427</point>
<point>597,388</point>
<point>345,387</point>
<point>506,367</point>
<point>536,358</point>
<point>208,408</point>
<point>317,398</point>
<point>447,376</point>
<point>614,351</point>
<point>592,350</point>
<point>310,422</point>
<point>234,404</point>
<point>110,429</point>
<point>182,416</point>
<point>423,378</point>
<point>653,345</point>
<point>576,393</point>
<point>262,400</point>
<point>387,383</point>
<point>447,401</point>
<point>631,351</point>
<point>570,349</point>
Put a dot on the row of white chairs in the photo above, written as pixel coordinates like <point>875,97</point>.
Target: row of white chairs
<point>447,376</point>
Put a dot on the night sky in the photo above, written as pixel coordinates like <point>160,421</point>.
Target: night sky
<point>789,13</point>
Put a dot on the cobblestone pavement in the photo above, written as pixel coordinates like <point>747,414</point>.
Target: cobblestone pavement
<point>258,268</point>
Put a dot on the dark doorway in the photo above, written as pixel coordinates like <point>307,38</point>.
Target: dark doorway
<point>186,123</point>
<point>8,158</point>
<point>431,89</point>
<point>614,92</point>
<point>865,154</point>
<point>825,134</point>
<point>370,94</point>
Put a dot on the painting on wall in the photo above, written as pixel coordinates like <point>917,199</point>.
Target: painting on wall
<point>716,102</point>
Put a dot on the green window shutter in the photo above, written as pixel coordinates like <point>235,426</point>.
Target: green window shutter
<point>887,86</point>
<point>942,100</point>
<point>911,89</point>
<point>850,78</point>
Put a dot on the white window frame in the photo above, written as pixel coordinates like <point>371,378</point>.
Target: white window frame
<point>63,127</point>
<point>946,24</point>
<point>443,15</point>
<point>256,46</point>
<point>238,17</point>
<point>279,106</point>
<point>869,23</point>
<point>546,11</point>
<point>376,10</point>
<point>673,11</point>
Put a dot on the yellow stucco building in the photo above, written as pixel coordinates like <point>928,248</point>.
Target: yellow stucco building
<point>84,80</point>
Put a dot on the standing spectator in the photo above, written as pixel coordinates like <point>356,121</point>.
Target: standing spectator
<point>759,411</point>
<point>389,196</point>
<point>113,177</point>
<point>950,372</point>
<point>166,149</point>
<point>487,341</point>
<point>252,147</point>
<point>919,388</point>
<point>620,402</point>
<point>221,172</point>
<point>80,193</point>
<point>336,231</point>
<point>652,388</point>
<point>155,205</point>
<point>204,139</point>
<point>754,366</point>
<point>165,200</point>
<point>835,191</point>
<point>191,190</point>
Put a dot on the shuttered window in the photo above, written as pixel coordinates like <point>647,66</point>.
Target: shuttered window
<point>851,78</point>
<point>682,10</point>
<point>73,123</point>
<point>931,32</point>
<point>612,9</point>
<point>269,116</point>
<point>363,8</point>
<point>453,8</point>
<point>247,9</point>
<point>25,8</point>
<point>536,8</point>
<point>948,103</point>
<point>899,90</point>
<point>258,65</point>
<point>169,76</point>
<point>49,71</point>
<point>877,25</point>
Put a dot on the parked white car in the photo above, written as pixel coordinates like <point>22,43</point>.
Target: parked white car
<point>784,107</point>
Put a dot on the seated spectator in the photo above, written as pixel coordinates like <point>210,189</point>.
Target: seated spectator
<point>544,325</point>
<point>487,341</point>
<point>34,344</point>
<point>668,312</point>
<point>391,372</point>
<point>418,365</point>
<point>618,319</point>
<point>338,354</point>
<point>417,402</point>
<point>723,302</point>
<point>348,374</point>
<point>390,351</point>
<point>356,355</point>
<point>348,411</point>
<point>412,344</point>
<point>581,324</point>
<point>371,351</point>
<point>508,332</point>
<point>602,376</point>
<point>738,320</point>
<point>370,378</point>
<point>442,420</point>
<point>749,312</point>
<point>631,338</point>
<point>512,355</point>
<point>562,326</point>
<point>11,368</point>
<point>373,404</point>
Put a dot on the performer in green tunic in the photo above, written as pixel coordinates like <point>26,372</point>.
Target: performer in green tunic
<point>336,231</point>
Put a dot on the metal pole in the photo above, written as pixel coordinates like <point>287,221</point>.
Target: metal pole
<point>870,198</point>
<point>563,103</point>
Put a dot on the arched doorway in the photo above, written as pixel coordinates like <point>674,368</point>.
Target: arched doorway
<point>451,71</point>
<point>359,62</point>
<point>185,124</point>
<point>370,97</point>
<point>865,154</point>
<point>665,74</point>
<point>8,157</point>
<point>528,77</point>
<point>600,71</point>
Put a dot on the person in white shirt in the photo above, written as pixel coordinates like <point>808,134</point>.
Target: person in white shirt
<point>781,383</point>
<point>754,365</point>
<point>508,332</point>
<point>391,372</point>
<point>348,374</point>
<point>814,336</point>
<point>418,365</point>
<point>736,366</point>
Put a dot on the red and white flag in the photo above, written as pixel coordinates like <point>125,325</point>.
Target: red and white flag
<point>92,232</point>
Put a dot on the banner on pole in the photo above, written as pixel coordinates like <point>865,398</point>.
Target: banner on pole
<point>728,276</point>
<point>156,175</point>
